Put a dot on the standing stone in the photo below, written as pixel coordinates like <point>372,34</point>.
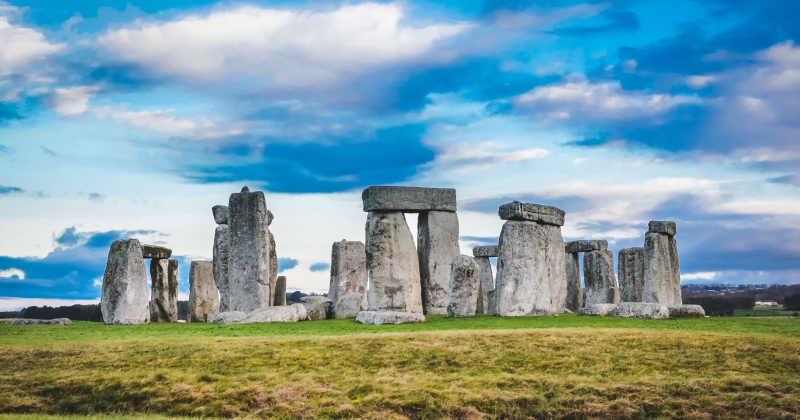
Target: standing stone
<point>574,288</point>
<point>630,273</point>
<point>392,265</point>
<point>598,273</point>
<point>465,279</point>
<point>479,308</point>
<point>487,280</point>
<point>349,305</point>
<point>125,298</point>
<point>437,247</point>
<point>164,290</point>
<point>492,302</point>
<point>280,291</point>
<point>273,268</point>
<point>203,297</point>
<point>348,270</point>
<point>662,272</point>
<point>249,265</point>
<point>222,239</point>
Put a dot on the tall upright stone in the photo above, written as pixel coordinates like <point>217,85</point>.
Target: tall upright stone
<point>482,255</point>
<point>164,290</point>
<point>574,288</point>
<point>280,291</point>
<point>465,279</point>
<point>273,268</point>
<point>203,297</point>
<point>392,265</point>
<point>348,270</point>
<point>662,272</point>
<point>221,253</point>
<point>630,273</point>
<point>125,298</point>
<point>249,262</point>
<point>598,274</point>
<point>437,247</point>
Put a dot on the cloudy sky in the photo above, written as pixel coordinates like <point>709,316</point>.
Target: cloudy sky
<point>132,119</point>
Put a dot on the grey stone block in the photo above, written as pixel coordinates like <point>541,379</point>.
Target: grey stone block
<point>319,311</point>
<point>490,296</point>
<point>349,305</point>
<point>485,251</point>
<point>203,296</point>
<point>630,270</point>
<point>156,252</point>
<point>163,290</point>
<point>221,254</point>
<point>597,309</point>
<point>687,311</point>
<point>662,271</point>
<point>292,313</point>
<point>388,317</point>
<point>233,317</point>
<point>669,228</point>
<point>314,299</point>
<point>437,247</point>
<point>599,277</point>
<point>585,245</point>
<point>487,281</point>
<point>408,199</point>
<point>220,214</point>
<point>348,270</point>
<point>574,288</point>
<point>28,321</point>
<point>532,213</point>
<point>125,298</point>
<point>280,292</point>
<point>273,268</point>
<point>640,310</point>
<point>270,218</point>
<point>464,285</point>
<point>248,262</point>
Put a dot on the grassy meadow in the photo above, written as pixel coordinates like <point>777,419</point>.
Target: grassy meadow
<point>487,367</point>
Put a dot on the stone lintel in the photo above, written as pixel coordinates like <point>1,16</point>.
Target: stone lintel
<point>485,251</point>
<point>541,213</point>
<point>585,245</point>
<point>408,199</point>
<point>156,252</point>
<point>669,228</point>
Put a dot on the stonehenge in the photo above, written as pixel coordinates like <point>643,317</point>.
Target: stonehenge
<point>348,277</point>
<point>203,296</point>
<point>640,310</point>
<point>125,298</point>
<point>482,255</point>
<point>248,258</point>
<point>163,290</point>
<point>662,273</point>
<point>280,291</point>
<point>630,273</point>
<point>221,252</point>
<point>437,247</point>
<point>462,297</point>
<point>599,277</point>
<point>574,287</point>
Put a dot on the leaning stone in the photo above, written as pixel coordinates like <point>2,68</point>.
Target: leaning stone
<point>596,309</point>
<point>630,269</point>
<point>392,264</point>
<point>248,266</point>
<point>349,305</point>
<point>490,297</point>
<point>292,313</point>
<point>669,228</point>
<point>585,245</point>
<point>221,253</point>
<point>598,274</point>
<point>485,251</point>
<point>687,311</point>
<point>280,292</point>
<point>574,288</point>
<point>640,310</point>
<point>163,290</point>
<point>464,285</point>
<point>318,311</point>
<point>273,268</point>
<point>437,247</point>
<point>408,199</point>
<point>532,213</point>
<point>156,252</point>
<point>314,299</point>
<point>348,269</point>
<point>388,317</point>
<point>203,296</point>
<point>662,271</point>
<point>220,214</point>
<point>487,281</point>
<point>28,321</point>
<point>125,298</point>
<point>233,317</point>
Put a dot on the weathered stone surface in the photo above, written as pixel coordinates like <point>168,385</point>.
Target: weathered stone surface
<point>437,247</point>
<point>314,299</point>
<point>125,298</point>
<point>233,317</point>
<point>408,199</point>
<point>248,262</point>
<point>597,309</point>
<point>280,292</point>
<point>479,308</point>
<point>630,269</point>
<point>463,290</point>
<point>490,297</point>
<point>273,268</point>
<point>687,311</point>
<point>574,288</point>
<point>318,311</point>
<point>531,278</point>
<point>28,321</point>
<point>487,281</point>
<point>662,271</point>
<point>669,228</point>
<point>270,218</point>
<point>220,214</point>
<point>388,317</point>
<point>348,270</point>
<point>221,252</point>
<point>598,275</point>
<point>485,251</point>
<point>532,213</point>
<point>203,296</point>
<point>155,251</point>
<point>291,313</point>
<point>392,264</point>
<point>163,290</point>
<point>585,245</point>
<point>349,305</point>
<point>640,310</point>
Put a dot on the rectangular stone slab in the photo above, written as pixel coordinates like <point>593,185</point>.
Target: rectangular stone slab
<point>156,252</point>
<point>485,251</point>
<point>408,199</point>
<point>220,214</point>
<point>532,212</point>
<point>670,228</point>
<point>586,245</point>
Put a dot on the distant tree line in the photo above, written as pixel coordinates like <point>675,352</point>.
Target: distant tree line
<point>11,314</point>
<point>722,305</point>
<point>75,312</point>
<point>792,303</point>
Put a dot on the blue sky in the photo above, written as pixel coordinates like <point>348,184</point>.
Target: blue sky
<point>134,118</point>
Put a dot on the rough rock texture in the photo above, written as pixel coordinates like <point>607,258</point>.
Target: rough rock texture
<point>437,247</point>
<point>640,310</point>
<point>485,251</point>
<point>125,298</point>
<point>163,290</point>
<point>531,279</point>
<point>669,228</point>
<point>465,279</point>
<point>220,214</point>
<point>273,268</point>
<point>388,317</point>
<point>270,218</point>
<point>203,296</point>
<point>585,245</point>
<point>408,199</point>
<point>490,296</point>
<point>684,311</point>
<point>487,281</point>
<point>314,299</point>
<point>248,262</point>
<point>596,309</point>
<point>348,269</point>
<point>318,311</point>
<point>630,273</point>
<point>479,308</point>
<point>532,212</point>
<point>280,291</point>
<point>662,271</point>
<point>221,252</point>
<point>291,313</point>
<point>574,288</point>
<point>28,321</point>
<point>233,317</point>
<point>349,305</point>
<point>155,251</point>
<point>598,275</point>
<point>392,265</point>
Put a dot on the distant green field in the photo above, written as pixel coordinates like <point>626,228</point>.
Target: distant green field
<point>765,311</point>
<point>530,367</point>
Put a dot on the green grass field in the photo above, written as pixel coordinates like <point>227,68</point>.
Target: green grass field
<point>537,367</point>
<point>764,311</point>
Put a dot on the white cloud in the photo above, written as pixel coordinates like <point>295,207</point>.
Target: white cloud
<point>471,156</point>
<point>20,45</point>
<point>703,275</point>
<point>166,122</point>
<point>10,272</point>
<point>578,161</point>
<point>73,100</point>
<point>699,81</point>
